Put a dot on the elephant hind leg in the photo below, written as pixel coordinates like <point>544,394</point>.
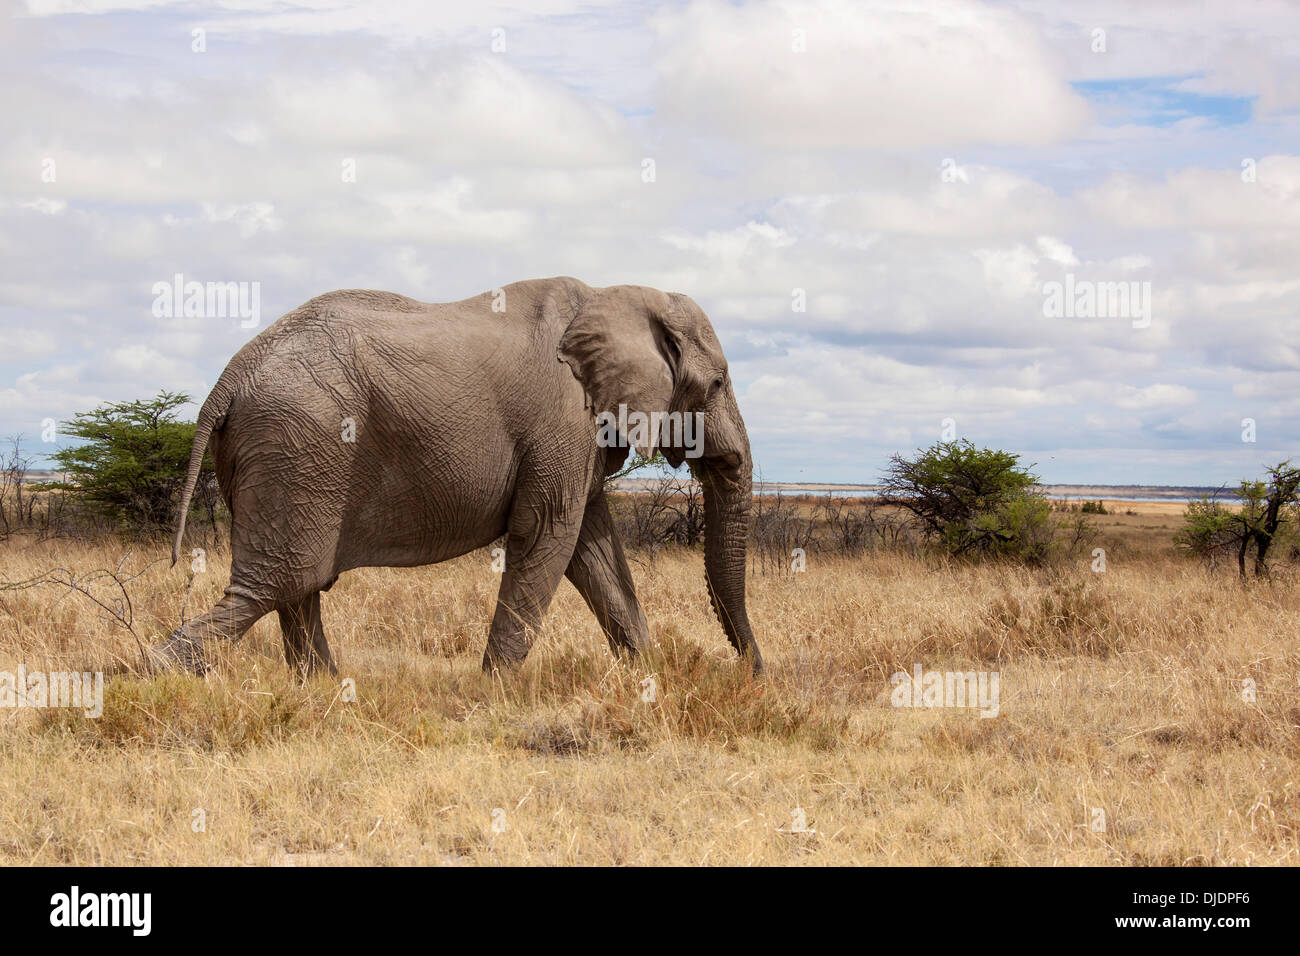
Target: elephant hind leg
<point>305,647</point>
<point>228,620</point>
<point>599,571</point>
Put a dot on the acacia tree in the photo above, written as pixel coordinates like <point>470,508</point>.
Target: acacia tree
<point>1273,500</point>
<point>1266,513</point>
<point>972,500</point>
<point>132,462</point>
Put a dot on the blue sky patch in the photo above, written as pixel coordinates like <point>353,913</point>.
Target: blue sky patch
<point>1155,101</point>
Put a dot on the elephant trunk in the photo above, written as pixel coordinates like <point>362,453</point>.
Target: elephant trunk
<point>728,498</point>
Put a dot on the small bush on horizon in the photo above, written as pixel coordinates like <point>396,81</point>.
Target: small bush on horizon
<point>1268,515</point>
<point>979,502</point>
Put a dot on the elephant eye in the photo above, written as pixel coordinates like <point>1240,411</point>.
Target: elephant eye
<point>717,384</point>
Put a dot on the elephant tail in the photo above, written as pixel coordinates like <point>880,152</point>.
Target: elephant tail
<point>211,417</point>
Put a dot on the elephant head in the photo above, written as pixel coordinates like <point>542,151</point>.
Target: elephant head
<point>655,352</point>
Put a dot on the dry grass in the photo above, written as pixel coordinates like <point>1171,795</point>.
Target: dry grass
<point>1119,691</point>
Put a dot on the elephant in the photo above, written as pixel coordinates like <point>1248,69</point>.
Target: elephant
<point>368,429</point>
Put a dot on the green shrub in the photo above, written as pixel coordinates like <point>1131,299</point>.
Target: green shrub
<point>973,501</point>
<point>1266,517</point>
<point>132,463</point>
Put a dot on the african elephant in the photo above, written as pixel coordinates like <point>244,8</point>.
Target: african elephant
<point>368,429</point>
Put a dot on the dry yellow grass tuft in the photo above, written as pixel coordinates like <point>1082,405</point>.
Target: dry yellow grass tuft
<point>1121,701</point>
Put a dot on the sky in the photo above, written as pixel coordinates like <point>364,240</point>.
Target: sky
<point>872,201</point>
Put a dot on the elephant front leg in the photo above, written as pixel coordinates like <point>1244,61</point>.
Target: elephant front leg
<point>539,545</point>
<point>598,569</point>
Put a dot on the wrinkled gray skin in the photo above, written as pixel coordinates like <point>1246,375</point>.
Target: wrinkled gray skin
<point>469,424</point>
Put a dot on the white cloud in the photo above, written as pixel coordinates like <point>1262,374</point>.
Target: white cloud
<point>1203,198</point>
<point>888,75</point>
<point>1223,49</point>
<point>732,244</point>
<point>1154,396</point>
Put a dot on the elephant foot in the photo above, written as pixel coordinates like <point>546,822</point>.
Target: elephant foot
<point>179,653</point>
<point>502,658</point>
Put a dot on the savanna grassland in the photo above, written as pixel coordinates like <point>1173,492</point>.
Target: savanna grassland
<point>1121,692</point>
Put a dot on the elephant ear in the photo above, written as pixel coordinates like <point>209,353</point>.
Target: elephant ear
<point>625,349</point>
